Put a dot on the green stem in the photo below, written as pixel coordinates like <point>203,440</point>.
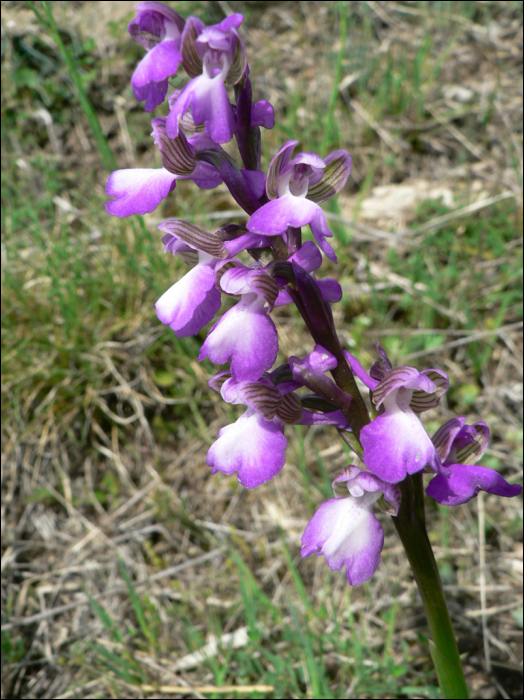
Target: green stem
<point>411,527</point>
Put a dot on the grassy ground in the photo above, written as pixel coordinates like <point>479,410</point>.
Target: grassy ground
<point>128,570</point>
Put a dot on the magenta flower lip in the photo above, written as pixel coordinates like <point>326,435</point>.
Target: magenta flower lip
<point>345,530</point>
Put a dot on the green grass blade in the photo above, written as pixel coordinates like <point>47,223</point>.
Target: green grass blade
<point>120,667</point>
<point>297,580</point>
<point>137,607</point>
<point>50,25</point>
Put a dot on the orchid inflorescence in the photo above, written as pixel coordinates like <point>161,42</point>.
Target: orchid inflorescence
<point>390,441</point>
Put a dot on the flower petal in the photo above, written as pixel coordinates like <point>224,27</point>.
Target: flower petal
<point>445,435</point>
<point>209,104</point>
<point>359,371</point>
<point>263,114</point>
<point>252,446</point>
<point>336,173</point>
<point>331,290</point>
<point>245,335</point>
<point>321,230</point>
<point>158,64</point>
<point>138,190</point>
<point>335,418</point>
<point>465,481</point>
<point>423,400</point>
<point>308,257</point>
<point>346,534</point>
<point>275,216</point>
<point>396,444</point>
<point>278,164</point>
<point>191,302</point>
<point>152,94</point>
<point>470,443</point>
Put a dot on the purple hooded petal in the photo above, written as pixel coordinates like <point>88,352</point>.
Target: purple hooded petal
<point>138,190</point>
<point>359,371</point>
<point>235,280</point>
<point>321,230</point>
<point>443,438</point>
<point>465,481</point>
<point>190,303</point>
<point>346,534</point>
<point>263,114</point>
<point>424,399</point>
<point>278,164</point>
<point>470,443</point>
<point>245,335</point>
<point>312,159</point>
<point>252,446</point>
<point>275,216</point>
<point>396,383</point>
<point>334,177</point>
<point>155,21</point>
<point>396,444</point>
<point>232,22</point>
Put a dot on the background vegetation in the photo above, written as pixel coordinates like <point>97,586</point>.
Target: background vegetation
<point>128,570</point>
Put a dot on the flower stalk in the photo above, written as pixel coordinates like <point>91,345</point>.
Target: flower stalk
<point>411,527</point>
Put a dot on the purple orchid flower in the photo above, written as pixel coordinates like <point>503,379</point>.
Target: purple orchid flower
<point>396,443</point>
<point>211,56</point>
<point>345,529</point>
<point>245,334</point>
<point>459,445</point>
<point>191,302</point>
<point>159,29</point>
<point>254,446</point>
<point>295,186</point>
<point>140,190</point>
